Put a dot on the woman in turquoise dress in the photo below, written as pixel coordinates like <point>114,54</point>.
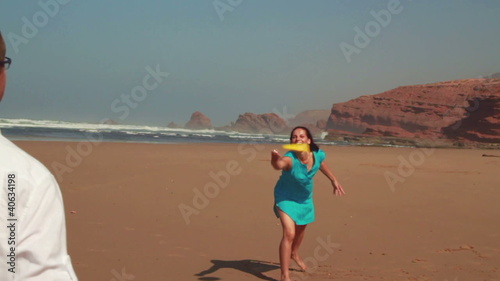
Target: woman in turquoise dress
<point>293,194</point>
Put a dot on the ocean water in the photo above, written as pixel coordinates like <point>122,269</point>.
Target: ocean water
<point>25,129</point>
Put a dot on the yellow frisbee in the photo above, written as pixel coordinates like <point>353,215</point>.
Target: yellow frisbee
<point>297,147</point>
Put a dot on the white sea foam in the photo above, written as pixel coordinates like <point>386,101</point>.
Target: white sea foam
<point>137,131</point>
<point>92,127</point>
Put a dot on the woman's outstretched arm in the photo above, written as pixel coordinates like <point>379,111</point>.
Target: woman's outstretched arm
<point>337,188</point>
<point>280,162</point>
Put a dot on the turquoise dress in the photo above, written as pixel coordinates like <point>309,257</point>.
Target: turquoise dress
<point>293,192</point>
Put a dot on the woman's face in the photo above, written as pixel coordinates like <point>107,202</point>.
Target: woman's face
<point>300,136</point>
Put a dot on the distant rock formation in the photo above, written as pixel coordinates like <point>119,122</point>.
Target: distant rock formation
<point>314,120</point>
<point>460,110</point>
<point>268,123</point>
<point>173,125</point>
<point>321,124</point>
<point>198,121</point>
<point>109,122</point>
<point>310,117</point>
<point>493,75</point>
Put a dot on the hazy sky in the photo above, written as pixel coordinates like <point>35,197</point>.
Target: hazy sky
<point>152,62</point>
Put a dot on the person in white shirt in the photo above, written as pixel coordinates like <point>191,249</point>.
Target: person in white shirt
<point>33,227</point>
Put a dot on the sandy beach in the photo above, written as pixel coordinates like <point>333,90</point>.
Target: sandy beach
<point>204,212</point>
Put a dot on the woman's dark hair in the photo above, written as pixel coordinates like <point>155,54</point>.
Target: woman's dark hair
<point>314,146</point>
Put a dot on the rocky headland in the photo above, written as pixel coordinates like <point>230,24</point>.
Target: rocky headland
<point>459,113</point>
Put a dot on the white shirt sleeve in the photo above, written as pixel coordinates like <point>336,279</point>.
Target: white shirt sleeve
<point>41,234</point>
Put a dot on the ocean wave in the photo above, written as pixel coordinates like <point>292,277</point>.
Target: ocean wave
<point>61,130</point>
<point>92,127</point>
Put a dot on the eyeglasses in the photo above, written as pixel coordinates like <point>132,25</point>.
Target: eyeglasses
<point>6,63</point>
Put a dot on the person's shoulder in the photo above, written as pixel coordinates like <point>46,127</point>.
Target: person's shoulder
<point>15,160</point>
<point>321,154</point>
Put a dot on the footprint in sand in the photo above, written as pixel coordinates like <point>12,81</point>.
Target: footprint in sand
<point>462,248</point>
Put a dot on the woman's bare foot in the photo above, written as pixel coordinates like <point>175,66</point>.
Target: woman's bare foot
<point>299,262</point>
<point>285,278</point>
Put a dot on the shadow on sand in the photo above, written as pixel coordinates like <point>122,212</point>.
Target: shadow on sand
<point>253,267</point>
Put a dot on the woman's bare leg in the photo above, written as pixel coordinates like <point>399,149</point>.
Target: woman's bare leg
<point>288,226</point>
<point>299,235</point>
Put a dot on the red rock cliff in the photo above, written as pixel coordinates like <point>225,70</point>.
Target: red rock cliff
<point>268,123</point>
<point>198,121</point>
<point>466,110</point>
